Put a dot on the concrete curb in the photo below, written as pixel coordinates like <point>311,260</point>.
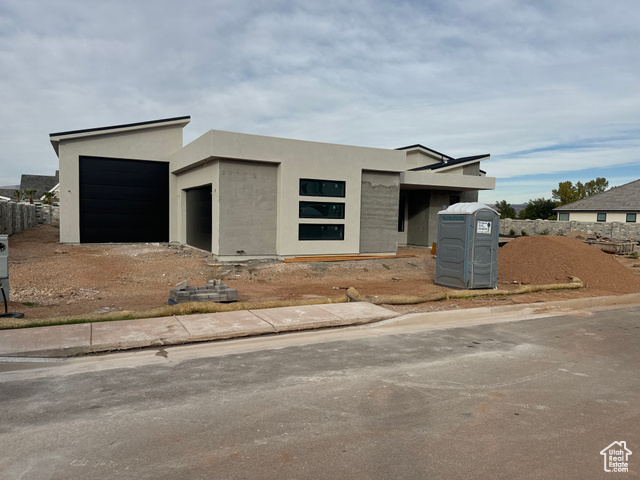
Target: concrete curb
<point>476,315</point>
<point>70,340</point>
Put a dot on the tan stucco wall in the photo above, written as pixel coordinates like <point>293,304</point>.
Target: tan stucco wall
<point>142,144</point>
<point>297,159</point>
<point>593,216</point>
<point>417,159</point>
<point>427,179</point>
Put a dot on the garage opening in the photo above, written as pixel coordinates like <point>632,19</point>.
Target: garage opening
<point>199,217</point>
<point>123,200</point>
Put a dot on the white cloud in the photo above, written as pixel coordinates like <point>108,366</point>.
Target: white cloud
<point>463,77</point>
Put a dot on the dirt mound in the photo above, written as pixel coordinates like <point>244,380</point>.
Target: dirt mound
<point>549,259</point>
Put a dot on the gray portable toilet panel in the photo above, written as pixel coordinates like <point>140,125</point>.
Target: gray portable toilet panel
<point>467,252</point>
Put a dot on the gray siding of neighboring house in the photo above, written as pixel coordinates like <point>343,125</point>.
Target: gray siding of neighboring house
<point>248,194</point>
<point>379,212</point>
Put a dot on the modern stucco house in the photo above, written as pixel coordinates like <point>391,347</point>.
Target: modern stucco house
<point>239,195</point>
<point>619,204</point>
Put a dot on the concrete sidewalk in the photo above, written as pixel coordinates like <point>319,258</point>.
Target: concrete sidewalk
<point>69,340</point>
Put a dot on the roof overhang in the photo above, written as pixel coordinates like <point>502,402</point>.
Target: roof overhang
<point>55,138</point>
<point>445,181</point>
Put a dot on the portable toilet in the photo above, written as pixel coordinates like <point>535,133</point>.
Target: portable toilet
<point>467,248</point>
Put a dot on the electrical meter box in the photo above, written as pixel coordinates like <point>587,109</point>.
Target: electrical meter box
<point>4,256</point>
<point>467,246</point>
<point>4,265</point>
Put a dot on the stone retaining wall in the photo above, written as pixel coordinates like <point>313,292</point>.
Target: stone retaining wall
<point>616,230</point>
<point>15,217</point>
<point>48,215</point>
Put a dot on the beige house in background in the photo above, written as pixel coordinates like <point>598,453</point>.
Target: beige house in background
<point>619,204</point>
<point>248,196</point>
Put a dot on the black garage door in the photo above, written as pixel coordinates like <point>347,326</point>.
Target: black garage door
<point>123,200</point>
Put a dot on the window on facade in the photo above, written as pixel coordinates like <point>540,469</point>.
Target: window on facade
<point>631,218</point>
<point>563,217</point>
<point>401,212</point>
<point>321,210</point>
<point>322,188</point>
<point>314,231</point>
<point>602,217</point>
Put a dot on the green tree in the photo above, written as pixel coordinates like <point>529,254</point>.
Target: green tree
<point>567,192</point>
<point>48,198</point>
<point>505,210</point>
<point>538,208</point>
<point>17,194</point>
<point>29,193</point>
<point>593,187</point>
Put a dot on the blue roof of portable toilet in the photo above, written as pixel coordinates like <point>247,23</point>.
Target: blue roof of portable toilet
<point>465,207</point>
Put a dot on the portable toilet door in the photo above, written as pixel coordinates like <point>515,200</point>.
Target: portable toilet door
<point>467,248</point>
<point>485,225</point>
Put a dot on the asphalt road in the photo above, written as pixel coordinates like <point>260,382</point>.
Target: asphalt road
<point>536,398</point>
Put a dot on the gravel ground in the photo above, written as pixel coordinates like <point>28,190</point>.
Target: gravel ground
<point>49,279</point>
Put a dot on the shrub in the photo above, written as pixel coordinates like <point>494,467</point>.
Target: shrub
<point>523,233</point>
<point>512,232</point>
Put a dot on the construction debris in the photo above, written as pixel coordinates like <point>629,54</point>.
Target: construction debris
<point>213,291</point>
<point>340,258</point>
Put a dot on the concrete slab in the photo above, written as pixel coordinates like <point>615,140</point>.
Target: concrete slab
<point>358,312</point>
<point>58,340</point>
<point>287,319</point>
<point>146,332</point>
<point>213,326</point>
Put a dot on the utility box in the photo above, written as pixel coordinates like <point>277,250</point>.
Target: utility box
<point>467,248</point>
<point>4,264</point>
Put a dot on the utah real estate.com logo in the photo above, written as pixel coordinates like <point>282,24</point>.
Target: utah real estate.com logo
<point>616,457</point>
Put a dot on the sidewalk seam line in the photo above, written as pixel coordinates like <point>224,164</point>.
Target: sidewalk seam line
<point>182,325</point>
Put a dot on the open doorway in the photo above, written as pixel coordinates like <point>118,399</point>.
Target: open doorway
<point>199,217</point>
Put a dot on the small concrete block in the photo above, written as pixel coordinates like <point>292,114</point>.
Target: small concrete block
<point>213,326</point>
<point>285,319</point>
<point>55,341</point>
<point>182,285</point>
<point>126,334</point>
<point>358,312</point>
<point>232,296</point>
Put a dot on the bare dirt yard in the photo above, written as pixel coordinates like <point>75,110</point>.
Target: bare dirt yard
<point>50,280</point>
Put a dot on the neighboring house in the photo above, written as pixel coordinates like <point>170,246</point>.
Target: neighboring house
<point>239,195</point>
<point>56,193</point>
<point>39,183</point>
<point>619,204</point>
<point>8,191</point>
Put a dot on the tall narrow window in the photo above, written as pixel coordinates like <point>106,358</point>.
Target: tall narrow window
<point>401,212</point>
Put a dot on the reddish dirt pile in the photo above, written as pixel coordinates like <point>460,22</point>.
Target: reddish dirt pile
<point>549,259</point>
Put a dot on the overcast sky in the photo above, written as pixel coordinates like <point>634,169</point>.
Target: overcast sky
<point>549,88</point>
